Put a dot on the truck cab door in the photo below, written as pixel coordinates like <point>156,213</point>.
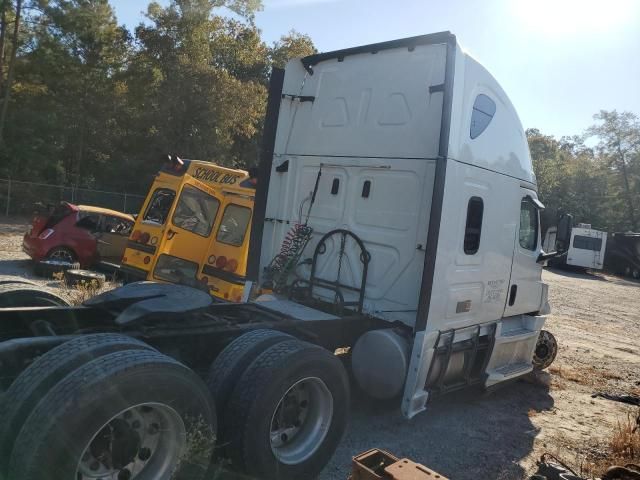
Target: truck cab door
<point>525,286</point>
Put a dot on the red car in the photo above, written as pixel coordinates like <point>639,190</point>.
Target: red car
<point>78,233</point>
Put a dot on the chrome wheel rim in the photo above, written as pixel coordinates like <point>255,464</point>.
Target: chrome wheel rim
<point>301,421</point>
<point>61,256</point>
<point>144,442</point>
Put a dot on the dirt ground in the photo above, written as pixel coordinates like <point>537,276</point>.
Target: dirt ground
<point>472,435</point>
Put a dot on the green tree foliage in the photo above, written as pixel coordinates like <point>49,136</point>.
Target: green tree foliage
<point>93,104</point>
<point>599,185</point>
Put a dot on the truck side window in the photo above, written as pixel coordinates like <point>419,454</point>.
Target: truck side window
<point>483,111</point>
<point>159,206</point>
<point>473,229</point>
<point>528,224</point>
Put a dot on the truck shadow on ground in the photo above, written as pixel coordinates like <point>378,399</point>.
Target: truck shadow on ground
<point>465,435</point>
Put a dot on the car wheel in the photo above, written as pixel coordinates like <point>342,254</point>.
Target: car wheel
<point>62,254</point>
<point>288,412</point>
<point>38,378</point>
<point>132,414</point>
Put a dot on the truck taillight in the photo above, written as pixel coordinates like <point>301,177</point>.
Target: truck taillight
<point>144,237</point>
<point>232,265</point>
<point>136,235</point>
<point>46,234</point>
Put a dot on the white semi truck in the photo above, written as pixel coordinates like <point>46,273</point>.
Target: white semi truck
<point>396,223</point>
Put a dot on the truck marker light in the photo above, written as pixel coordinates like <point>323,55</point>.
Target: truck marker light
<point>221,262</point>
<point>146,260</point>
<point>124,259</point>
<point>212,259</point>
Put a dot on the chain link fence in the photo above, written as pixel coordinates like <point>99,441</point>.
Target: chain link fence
<point>19,198</point>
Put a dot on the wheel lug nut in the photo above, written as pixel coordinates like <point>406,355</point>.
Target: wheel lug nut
<point>95,465</point>
<point>144,454</point>
<point>124,474</point>
<point>284,437</point>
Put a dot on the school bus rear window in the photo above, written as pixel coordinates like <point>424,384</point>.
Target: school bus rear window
<point>234,225</point>
<point>196,211</point>
<point>159,206</point>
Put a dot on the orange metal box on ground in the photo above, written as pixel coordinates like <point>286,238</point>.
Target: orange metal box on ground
<point>194,228</point>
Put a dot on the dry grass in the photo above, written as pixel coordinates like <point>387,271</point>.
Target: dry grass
<point>82,291</point>
<point>590,376</point>
<point>622,448</point>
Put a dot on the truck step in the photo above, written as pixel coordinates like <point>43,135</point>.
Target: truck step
<point>507,372</point>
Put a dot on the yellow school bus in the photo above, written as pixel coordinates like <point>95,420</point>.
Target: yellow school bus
<point>194,228</point>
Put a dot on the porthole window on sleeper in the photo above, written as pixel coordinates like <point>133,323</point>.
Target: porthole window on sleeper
<point>483,111</point>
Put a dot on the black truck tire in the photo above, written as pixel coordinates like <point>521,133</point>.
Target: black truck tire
<point>288,412</point>
<point>75,277</point>
<point>231,363</point>
<point>23,295</point>
<point>38,378</point>
<point>130,406</point>
<point>51,268</point>
<point>546,350</point>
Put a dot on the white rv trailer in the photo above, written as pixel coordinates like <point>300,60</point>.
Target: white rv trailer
<point>414,150</point>
<point>587,246</point>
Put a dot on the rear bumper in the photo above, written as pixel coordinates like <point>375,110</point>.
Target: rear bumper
<point>33,247</point>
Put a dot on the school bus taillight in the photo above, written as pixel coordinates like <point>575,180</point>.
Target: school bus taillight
<point>144,237</point>
<point>221,262</point>
<point>135,236</point>
<point>232,265</point>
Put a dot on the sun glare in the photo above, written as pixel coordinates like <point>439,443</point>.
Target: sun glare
<point>571,17</point>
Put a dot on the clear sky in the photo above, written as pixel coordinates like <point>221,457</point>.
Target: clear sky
<point>560,61</point>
